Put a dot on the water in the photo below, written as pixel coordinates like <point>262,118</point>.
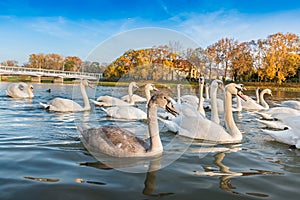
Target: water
<point>42,156</point>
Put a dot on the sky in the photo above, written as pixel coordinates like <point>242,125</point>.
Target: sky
<point>101,30</point>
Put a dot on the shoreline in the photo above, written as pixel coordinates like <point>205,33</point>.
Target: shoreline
<point>291,87</point>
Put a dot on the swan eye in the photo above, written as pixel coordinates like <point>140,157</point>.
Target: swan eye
<point>238,89</point>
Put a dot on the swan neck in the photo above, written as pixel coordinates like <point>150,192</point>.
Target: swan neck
<point>200,104</point>
<point>229,121</point>
<point>214,106</point>
<point>30,93</point>
<point>206,92</point>
<point>155,141</point>
<point>130,94</point>
<point>257,95</point>
<point>178,95</point>
<point>262,100</point>
<point>239,104</point>
<point>148,96</point>
<point>85,97</point>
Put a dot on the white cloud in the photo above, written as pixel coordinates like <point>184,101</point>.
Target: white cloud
<point>209,28</point>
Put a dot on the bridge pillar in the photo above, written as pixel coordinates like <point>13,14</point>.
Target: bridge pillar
<point>58,80</point>
<point>36,79</point>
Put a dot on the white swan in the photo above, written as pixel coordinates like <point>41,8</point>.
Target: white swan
<point>118,142</point>
<point>215,105</point>
<point>68,105</point>
<point>114,101</point>
<point>188,108</point>
<point>20,90</point>
<point>290,135</point>
<point>129,112</point>
<point>291,104</point>
<point>137,98</point>
<point>205,129</point>
<point>250,104</point>
<point>277,113</point>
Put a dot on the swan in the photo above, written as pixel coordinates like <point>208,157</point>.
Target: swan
<point>68,105</point>
<point>118,142</point>
<point>188,111</point>
<point>20,90</point>
<point>208,130</point>
<point>250,104</point>
<point>137,98</point>
<point>129,112</point>
<point>291,104</point>
<point>114,101</point>
<point>275,113</point>
<point>290,135</point>
<point>187,103</point>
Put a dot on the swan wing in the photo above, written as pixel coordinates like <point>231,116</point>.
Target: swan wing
<point>291,104</point>
<point>64,105</point>
<point>136,98</point>
<point>285,136</point>
<point>111,101</point>
<point>123,112</point>
<point>17,90</point>
<point>114,141</point>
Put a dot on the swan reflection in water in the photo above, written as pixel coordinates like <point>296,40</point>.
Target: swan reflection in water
<point>226,174</point>
<point>150,181</point>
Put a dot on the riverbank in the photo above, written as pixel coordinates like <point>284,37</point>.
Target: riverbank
<point>291,87</point>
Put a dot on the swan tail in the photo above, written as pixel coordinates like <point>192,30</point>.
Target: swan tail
<point>274,124</point>
<point>104,109</point>
<point>97,103</point>
<point>45,106</point>
<point>264,115</point>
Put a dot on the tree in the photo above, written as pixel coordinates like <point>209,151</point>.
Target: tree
<point>11,63</point>
<point>281,59</point>
<point>242,62</point>
<point>72,63</point>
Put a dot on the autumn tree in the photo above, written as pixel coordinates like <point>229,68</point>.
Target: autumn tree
<point>36,61</point>
<point>53,61</point>
<point>11,63</point>
<point>282,57</point>
<point>242,62</point>
<point>72,63</point>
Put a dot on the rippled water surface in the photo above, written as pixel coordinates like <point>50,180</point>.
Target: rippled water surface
<point>42,157</point>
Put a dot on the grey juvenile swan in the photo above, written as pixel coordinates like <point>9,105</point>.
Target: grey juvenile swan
<point>118,142</point>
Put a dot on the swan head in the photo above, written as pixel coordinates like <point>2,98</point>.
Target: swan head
<point>268,91</point>
<point>134,84</point>
<point>85,82</point>
<point>150,87</point>
<point>201,80</point>
<point>243,87</point>
<point>235,89</point>
<point>217,84</point>
<point>163,101</point>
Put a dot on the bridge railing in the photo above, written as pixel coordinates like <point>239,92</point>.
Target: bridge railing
<point>46,72</point>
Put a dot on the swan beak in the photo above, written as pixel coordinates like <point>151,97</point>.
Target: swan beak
<point>154,88</point>
<point>90,85</point>
<point>241,95</point>
<point>170,108</point>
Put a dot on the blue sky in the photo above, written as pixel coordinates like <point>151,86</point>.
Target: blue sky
<point>77,27</point>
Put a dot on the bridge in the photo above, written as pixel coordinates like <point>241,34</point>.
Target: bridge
<point>36,74</point>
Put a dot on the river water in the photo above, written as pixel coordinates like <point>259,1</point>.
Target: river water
<point>42,157</point>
